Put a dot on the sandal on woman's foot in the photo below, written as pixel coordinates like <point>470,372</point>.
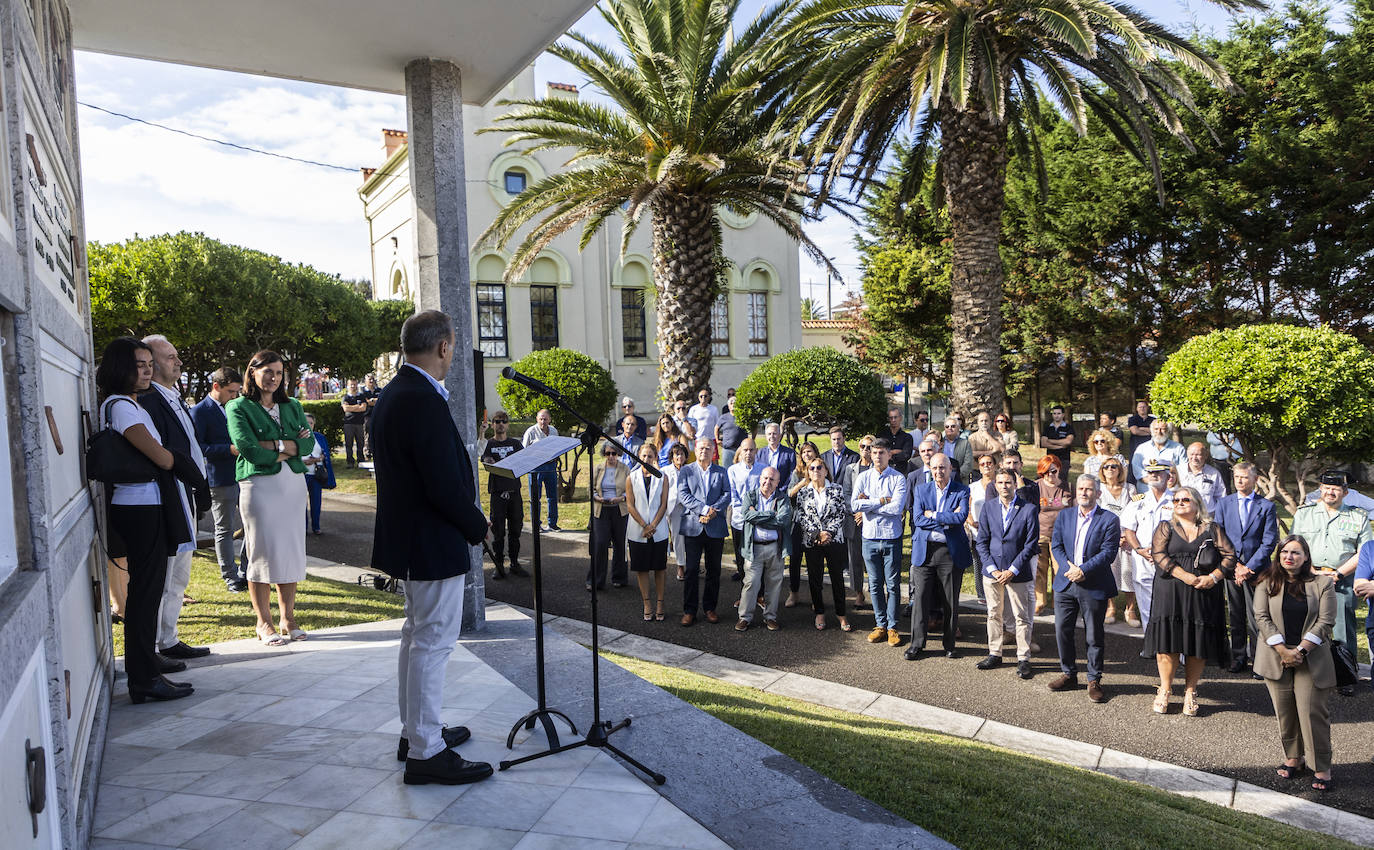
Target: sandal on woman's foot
<point>791,600</point>
<point>269,636</point>
<point>1322,785</point>
<point>1161,704</point>
<point>648,611</point>
<point>1291,771</point>
<point>845,626</point>
<point>681,574</point>
<point>1190,706</point>
<point>820,622</point>
<point>658,611</point>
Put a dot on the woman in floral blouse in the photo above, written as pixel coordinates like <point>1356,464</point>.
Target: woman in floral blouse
<point>821,513</point>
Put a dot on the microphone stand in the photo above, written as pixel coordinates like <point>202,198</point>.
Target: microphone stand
<point>600,731</point>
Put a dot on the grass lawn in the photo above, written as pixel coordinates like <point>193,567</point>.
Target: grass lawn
<point>219,615</point>
<point>971,794</point>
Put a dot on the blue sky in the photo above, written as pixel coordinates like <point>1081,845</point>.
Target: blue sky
<point>143,180</point>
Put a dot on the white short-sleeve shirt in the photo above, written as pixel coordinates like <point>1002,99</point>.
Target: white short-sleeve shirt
<point>123,413</point>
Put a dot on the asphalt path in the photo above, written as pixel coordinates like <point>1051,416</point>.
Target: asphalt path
<point>1235,734</point>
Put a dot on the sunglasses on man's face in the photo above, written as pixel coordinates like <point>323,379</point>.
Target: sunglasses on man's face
<point>500,421</point>
<point>816,467</point>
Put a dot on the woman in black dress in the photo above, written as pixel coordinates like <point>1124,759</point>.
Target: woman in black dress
<point>1193,561</point>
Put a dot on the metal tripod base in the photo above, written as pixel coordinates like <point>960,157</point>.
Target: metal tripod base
<point>599,736</point>
<point>546,716</point>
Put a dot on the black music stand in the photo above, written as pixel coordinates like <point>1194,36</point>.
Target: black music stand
<point>599,733</point>
<point>519,465</point>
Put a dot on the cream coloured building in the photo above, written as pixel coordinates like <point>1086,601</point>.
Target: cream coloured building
<point>587,301</point>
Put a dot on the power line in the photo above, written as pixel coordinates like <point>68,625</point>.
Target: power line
<point>227,144</point>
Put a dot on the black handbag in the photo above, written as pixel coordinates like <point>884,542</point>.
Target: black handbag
<point>112,459</point>
<point>1346,674</point>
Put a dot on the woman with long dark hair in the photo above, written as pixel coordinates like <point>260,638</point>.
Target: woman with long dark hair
<point>806,453</point>
<point>271,433</point>
<point>1295,611</point>
<point>142,529</point>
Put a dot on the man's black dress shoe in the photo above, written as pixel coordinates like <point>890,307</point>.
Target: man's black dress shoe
<point>170,665</point>
<point>1023,669</point>
<point>912,653</point>
<point>158,689</point>
<point>181,650</point>
<point>517,570</point>
<point>453,736</point>
<point>234,587</point>
<point>446,768</point>
<point>1236,666</point>
<point>951,653</point>
<point>990,662</point>
<point>1257,677</point>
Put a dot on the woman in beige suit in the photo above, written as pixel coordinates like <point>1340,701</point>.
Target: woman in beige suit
<point>608,519</point>
<point>1295,610</point>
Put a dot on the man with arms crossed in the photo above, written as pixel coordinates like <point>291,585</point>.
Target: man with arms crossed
<point>767,521</point>
<point>427,517</point>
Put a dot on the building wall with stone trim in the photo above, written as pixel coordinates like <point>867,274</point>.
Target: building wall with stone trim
<point>55,653</point>
<point>589,289</point>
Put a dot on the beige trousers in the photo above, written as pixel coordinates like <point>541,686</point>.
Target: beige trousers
<point>1022,601</point>
<point>1304,722</point>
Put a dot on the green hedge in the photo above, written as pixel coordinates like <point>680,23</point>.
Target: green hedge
<point>328,414</point>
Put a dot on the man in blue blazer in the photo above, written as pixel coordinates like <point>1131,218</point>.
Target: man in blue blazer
<point>212,433</point>
<point>1251,524</point>
<point>704,493</point>
<point>1008,547</point>
<point>428,517</point>
<point>939,551</point>
<point>1083,545</point>
<point>776,455</point>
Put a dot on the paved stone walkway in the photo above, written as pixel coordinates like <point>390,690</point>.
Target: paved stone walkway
<point>295,748</point>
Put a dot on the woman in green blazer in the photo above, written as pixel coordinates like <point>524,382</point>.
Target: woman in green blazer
<point>1295,611</point>
<point>270,432</point>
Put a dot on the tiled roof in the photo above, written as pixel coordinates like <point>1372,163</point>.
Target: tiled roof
<point>563,87</point>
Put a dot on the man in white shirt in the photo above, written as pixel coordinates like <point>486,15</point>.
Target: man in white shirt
<point>1138,524</point>
<point>1202,477</point>
<point>880,495</point>
<point>705,416</point>
<point>1159,449</point>
<point>545,475</point>
<point>165,405</point>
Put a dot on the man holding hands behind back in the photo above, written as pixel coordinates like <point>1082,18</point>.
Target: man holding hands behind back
<point>1085,541</point>
<point>427,517</point>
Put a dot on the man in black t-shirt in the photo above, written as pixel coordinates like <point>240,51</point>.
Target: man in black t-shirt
<point>354,415</point>
<point>1138,433</point>
<point>371,392</point>
<point>1057,440</point>
<point>507,506</point>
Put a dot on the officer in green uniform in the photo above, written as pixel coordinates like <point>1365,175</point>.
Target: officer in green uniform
<point>1335,531</point>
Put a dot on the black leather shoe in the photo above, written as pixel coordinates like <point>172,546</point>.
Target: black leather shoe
<point>912,653</point>
<point>1023,669</point>
<point>517,570</point>
<point>181,650</point>
<point>1257,677</point>
<point>453,736</point>
<point>990,662</point>
<point>951,653</point>
<point>158,689</point>
<point>234,587</point>
<point>1236,666</point>
<point>241,585</point>
<point>183,685</point>
<point>170,665</point>
<point>446,768</point>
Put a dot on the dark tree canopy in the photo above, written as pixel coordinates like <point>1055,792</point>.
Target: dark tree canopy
<point>818,386</point>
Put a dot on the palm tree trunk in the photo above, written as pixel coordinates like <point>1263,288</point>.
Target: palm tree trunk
<point>974,168</point>
<point>686,240</point>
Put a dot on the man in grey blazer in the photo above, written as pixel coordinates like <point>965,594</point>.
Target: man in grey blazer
<point>704,493</point>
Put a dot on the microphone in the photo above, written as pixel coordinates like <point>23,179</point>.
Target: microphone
<point>533,383</point>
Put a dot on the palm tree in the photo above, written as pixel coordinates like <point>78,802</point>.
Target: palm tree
<point>698,125</point>
<point>967,78</point>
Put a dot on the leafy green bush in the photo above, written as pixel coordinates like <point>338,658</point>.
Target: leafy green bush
<point>585,384</point>
<point>819,386</point>
<point>328,413</point>
<point>1305,395</point>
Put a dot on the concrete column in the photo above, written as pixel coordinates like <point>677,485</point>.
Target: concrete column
<point>434,114</point>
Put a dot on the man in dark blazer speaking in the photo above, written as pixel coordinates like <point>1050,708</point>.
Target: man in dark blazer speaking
<point>427,517</point>
<point>1084,544</point>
